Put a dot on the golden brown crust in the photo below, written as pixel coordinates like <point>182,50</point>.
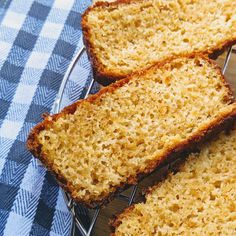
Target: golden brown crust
<point>106,77</point>
<point>219,124</point>
<point>116,220</point>
<point>100,74</point>
<point>213,129</point>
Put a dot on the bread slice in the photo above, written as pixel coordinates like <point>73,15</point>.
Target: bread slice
<point>198,200</point>
<point>126,36</point>
<point>98,145</point>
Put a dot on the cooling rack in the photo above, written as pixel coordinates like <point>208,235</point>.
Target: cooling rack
<point>77,222</point>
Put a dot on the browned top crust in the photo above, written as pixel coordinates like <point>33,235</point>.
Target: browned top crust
<point>106,76</point>
<point>35,147</point>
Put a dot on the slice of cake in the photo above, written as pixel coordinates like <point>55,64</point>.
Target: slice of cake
<point>199,200</point>
<point>99,145</point>
<point>126,36</point>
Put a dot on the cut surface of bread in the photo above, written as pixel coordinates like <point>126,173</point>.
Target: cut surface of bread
<point>126,36</point>
<point>102,143</point>
<point>198,200</point>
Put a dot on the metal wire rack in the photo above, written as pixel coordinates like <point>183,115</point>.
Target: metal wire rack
<point>76,221</point>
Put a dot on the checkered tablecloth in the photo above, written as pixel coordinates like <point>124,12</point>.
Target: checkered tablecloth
<point>38,40</point>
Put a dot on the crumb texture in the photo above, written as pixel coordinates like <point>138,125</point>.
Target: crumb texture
<point>127,37</point>
<point>198,200</point>
<point>110,140</point>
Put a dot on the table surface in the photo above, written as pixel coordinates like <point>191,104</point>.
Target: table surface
<point>101,227</point>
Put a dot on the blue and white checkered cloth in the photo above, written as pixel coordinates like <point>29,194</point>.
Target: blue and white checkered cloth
<point>38,40</point>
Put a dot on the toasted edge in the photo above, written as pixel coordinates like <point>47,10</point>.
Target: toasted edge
<point>188,145</point>
<point>105,76</point>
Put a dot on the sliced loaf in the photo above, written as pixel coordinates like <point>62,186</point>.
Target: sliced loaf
<point>98,145</point>
<point>128,35</point>
<point>198,200</point>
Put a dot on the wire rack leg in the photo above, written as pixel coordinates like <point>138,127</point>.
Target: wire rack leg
<point>95,216</point>
<point>89,88</point>
<point>77,223</point>
<point>227,60</point>
<point>132,195</point>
